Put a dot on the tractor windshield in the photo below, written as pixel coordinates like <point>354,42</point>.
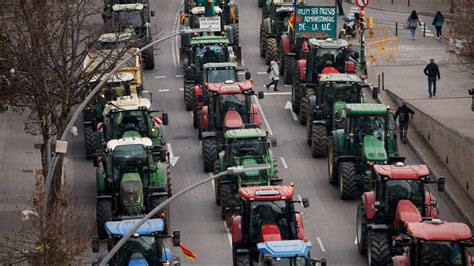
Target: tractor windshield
<point>129,159</point>
<point>128,121</point>
<point>129,19</point>
<point>282,20</point>
<point>363,125</point>
<point>248,147</point>
<point>139,249</point>
<point>210,54</point>
<point>265,214</point>
<point>334,57</point>
<point>396,190</point>
<point>333,92</point>
<point>113,90</point>
<point>221,75</point>
<point>440,253</point>
<point>238,102</point>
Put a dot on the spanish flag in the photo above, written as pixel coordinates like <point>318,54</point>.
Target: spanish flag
<point>292,21</point>
<point>190,255</point>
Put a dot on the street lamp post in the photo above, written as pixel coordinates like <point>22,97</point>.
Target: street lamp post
<point>229,171</point>
<point>91,95</point>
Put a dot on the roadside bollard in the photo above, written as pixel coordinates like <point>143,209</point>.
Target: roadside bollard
<point>424,30</point>
<point>396,27</point>
<point>378,80</point>
<point>375,92</point>
<point>471,92</point>
<point>383,81</point>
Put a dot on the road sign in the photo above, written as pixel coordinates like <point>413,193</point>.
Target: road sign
<point>210,23</point>
<point>362,3</point>
<point>316,22</point>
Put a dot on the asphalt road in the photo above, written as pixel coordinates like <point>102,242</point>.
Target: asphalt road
<point>329,222</point>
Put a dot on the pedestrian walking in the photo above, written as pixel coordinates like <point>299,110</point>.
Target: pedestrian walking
<point>438,22</point>
<point>403,114</point>
<point>432,71</point>
<point>274,74</point>
<point>339,8</point>
<point>412,23</point>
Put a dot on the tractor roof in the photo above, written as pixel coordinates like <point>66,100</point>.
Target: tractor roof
<point>208,39</point>
<point>230,88</point>
<point>435,230</point>
<point>198,10</point>
<point>285,8</point>
<point>115,37</point>
<point>128,103</point>
<point>367,109</point>
<point>245,133</point>
<point>266,193</point>
<point>281,2</point>
<point>285,248</point>
<point>121,228</point>
<point>400,171</point>
<point>219,65</point>
<point>328,43</point>
<point>340,77</point>
<point>112,144</point>
<point>115,78</point>
<point>127,7</point>
<point>104,60</point>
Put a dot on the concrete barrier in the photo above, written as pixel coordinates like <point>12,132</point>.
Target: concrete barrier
<point>454,150</point>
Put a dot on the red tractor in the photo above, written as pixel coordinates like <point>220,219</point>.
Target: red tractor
<point>434,242</point>
<point>226,105</point>
<point>400,197</point>
<point>267,213</point>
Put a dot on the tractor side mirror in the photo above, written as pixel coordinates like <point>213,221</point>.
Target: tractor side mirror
<point>95,244</point>
<point>305,202</point>
<point>176,237</point>
<point>441,183</point>
<point>273,142</point>
<point>260,95</point>
<point>356,55</point>
<point>164,119</point>
<point>152,13</point>
<point>375,92</point>
<point>163,156</point>
<point>248,76</point>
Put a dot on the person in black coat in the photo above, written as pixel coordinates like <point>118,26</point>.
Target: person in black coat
<point>432,71</point>
<point>403,114</point>
<point>438,22</point>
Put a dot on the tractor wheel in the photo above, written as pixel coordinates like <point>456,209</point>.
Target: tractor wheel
<point>271,50</point>
<point>295,91</point>
<point>361,227</point>
<point>90,139</point>
<point>242,260</point>
<point>347,180</point>
<point>227,196</point>
<point>378,248</point>
<point>304,110</point>
<point>263,40</point>
<point>168,179</point>
<point>103,215</point>
<point>319,141</point>
<point>309,129</point>
<point>163,214</point>
<point>217,193</point>
<point>189,96</point>
<point>149,59</point>
<point>261,3</point>
<point>235,34</point>
<point>288,69</point>
<point>332,166</point>
<point>209,153</point>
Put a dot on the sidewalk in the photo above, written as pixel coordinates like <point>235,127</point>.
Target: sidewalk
<point>422,7</point>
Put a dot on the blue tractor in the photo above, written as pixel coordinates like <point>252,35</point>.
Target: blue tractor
<point>287,252</point>
<point>145,247</point>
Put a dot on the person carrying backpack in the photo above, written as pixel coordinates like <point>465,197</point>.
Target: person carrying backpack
<point>403,113</point>
<point>438,22</point>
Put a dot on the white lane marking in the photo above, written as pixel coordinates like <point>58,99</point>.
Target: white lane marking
<point>355,241</point>
<point>263,115</point>
<point>287,85</point>
<point>241,73</point>
<point>321,244</point>
<point>262,73</point>
<point>170,149</point>
<point>278,93</point>
<point>173,160</point>
<point>213,182</point>
<point>181,89</point>
<point>289,106</point>
<point>429,34</point>
<point>160,77</point>
<point>229,235</point>
<point>179,76</point>
<point>243,63</point>
<point>164,90</point>
<point>283,162</point>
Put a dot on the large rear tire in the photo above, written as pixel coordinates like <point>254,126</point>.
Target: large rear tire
<point>235,34</point>
<point>304,110</point>
<point>295,91</point>
<point>163,214</point>
<point>271,50</point>
<point>103,215</point>
<point>332,166</point>
<point>90,140</point>
<point>242,260</point>
<point>209,153</point>
<point>189,96</point>
<point>226,196</point>
<point>378,248</point>
<point>361,227</point>
<point>263,40</point>
<point>149,59</point>
<point>319,141</point>
<point>347,180</point>
<point>288,69</point>
<point>217,193</point>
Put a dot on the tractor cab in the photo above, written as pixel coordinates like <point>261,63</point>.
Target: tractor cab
<point>435,242</point>
<point>267,214</point>
<point>220,72</point>
<point>287,253</point>
<point>131,4</point>
<point>279,16</point>
<point>145,247</point>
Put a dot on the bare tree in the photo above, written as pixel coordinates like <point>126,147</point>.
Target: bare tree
<point>461,31</point>
<point>57,236</point>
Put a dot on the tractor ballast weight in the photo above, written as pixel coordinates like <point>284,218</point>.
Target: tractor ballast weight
<point>130,182</point>
<point>399,196</point>
<point>145,247</point>
<point>267,214</point>
<point>368,136</point>
<point>243,147</point>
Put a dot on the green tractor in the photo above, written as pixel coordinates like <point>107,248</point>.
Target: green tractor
<point>109,8</point>
<point>368,136</point>
<point>130,182</point>
<point>243,147</point>
<point>326,100</point>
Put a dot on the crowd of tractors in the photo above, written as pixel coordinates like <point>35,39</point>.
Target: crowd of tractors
<point>397,217</point>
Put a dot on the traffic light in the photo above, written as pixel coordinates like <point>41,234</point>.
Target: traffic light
<point>362,17</point>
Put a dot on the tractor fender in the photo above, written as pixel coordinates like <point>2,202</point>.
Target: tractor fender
<point>285,44</point>
<point>197,92</point>
<point>255,115</point>
<point>205,117</point>
<point>346,158</point>
<point>431,211</point>
<point>377,227</point>
<point>236,229</point>
<point>300,225</point>
<point>267,26</point>
<point>208,134</point>
<point>301,65</point>
<point>319,122</point>
<point>104,197</point>
<point>312,102</point>
<point>167,255</point>
<point>401,260</point>
<point>368,199</point>
<point>100,177</point>
<point>272,169</point>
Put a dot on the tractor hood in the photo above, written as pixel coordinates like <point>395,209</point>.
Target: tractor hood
<point>250,162</point>
<point>285,248</point>
<point>339,107</point>
<point>232,119</point>
<point>374,149</point>
<point>131,191</point>
<point>131,134</point>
